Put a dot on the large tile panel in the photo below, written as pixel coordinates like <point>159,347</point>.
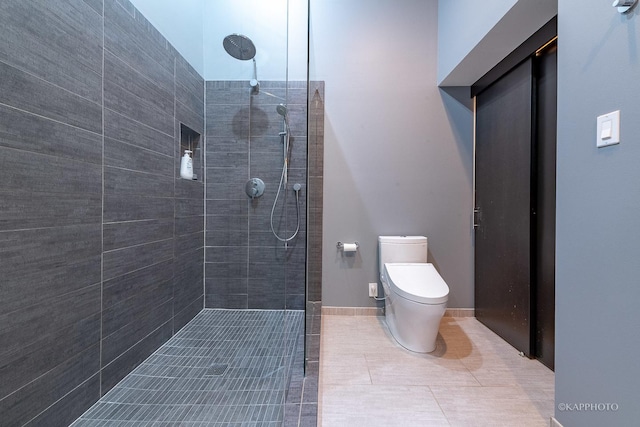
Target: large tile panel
<point>36,134</point>
<point>22,209</point>
<point>130,37</point>
<point>132,156</point>
<point>57,41</point>
<point>133,233</point>
<point>118,342</point>
<point>31,261</point>
<point>188,284</point>
<point>132,183</point>
<point>127,361</point>
<point>131,208</point>
<point>37,322</point>
<point>30,361</point>
<point>126,129</point>
<point>189,88</point>
<point>30,93</point>
<point>122,261</point>
<point>132,94</point>
<point>66,410</point>
<point>27,402</point>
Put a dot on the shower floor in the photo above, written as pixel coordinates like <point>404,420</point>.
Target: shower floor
<point>226,367</point>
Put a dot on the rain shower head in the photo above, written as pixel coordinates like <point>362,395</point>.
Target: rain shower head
<point>282,110</point>
<point>242,48</point>
<point>239,46</point>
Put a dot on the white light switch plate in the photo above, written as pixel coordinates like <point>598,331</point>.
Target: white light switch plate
<point>608,129</point>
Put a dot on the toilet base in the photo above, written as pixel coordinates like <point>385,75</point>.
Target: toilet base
<point>413,325</point>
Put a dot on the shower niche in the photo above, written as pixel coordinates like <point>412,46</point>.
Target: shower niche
<point>190,146</point>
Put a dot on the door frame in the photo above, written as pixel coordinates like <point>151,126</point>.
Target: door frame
<point>544,37</point>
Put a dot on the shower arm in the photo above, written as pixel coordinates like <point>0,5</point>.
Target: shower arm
<point>255,84</point>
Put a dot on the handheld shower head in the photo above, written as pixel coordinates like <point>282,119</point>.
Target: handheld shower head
<point>282,110</point>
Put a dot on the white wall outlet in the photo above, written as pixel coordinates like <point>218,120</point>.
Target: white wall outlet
<point>373,290</point>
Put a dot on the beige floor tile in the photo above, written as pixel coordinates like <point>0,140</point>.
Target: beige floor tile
<point>369,405</point>
<point>492,406</point>
<point>405,368</point>
<point>493,371</point>
<point>337,369</point>
<point>493,362</point>
<point>474,377</point>
<point>342,335</point>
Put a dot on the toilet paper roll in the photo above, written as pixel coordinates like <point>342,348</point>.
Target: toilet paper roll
<point>349,247</point>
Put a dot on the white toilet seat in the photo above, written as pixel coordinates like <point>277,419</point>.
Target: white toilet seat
<point>418,282</point>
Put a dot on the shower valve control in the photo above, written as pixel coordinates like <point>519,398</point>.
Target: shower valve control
<point>254,188</point>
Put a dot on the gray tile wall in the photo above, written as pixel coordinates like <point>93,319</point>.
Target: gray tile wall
<point>315,184</point>
<point>101,246</point>
<point>245,265</point>
<point>314,242</point>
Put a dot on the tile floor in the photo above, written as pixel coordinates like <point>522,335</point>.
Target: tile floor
<point>224,368</point>
<point>474,378</point>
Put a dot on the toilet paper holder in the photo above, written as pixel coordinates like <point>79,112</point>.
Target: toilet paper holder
<point>340,245</point>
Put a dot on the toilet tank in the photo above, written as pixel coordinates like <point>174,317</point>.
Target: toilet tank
<point>401,249</point>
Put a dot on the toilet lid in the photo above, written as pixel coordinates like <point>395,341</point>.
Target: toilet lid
<point>419,282</point>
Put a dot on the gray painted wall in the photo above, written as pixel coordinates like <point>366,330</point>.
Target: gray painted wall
<point>597,203</point>
<point>398,151</point>
<point>474,36</point>
<point>597,290</point>
<point>461,25</point>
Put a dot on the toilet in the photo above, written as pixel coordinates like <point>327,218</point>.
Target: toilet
<point>415,293</point>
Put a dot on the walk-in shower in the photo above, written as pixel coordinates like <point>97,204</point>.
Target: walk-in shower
<point>178,283</point>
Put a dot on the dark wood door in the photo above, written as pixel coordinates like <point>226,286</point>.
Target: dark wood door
<point>504,118</point>
<point>545,210</point>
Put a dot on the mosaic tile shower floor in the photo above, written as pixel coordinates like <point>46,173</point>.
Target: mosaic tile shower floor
<point>226,367</point>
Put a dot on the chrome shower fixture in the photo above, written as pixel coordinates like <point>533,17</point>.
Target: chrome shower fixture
<point>282,110</point>
<point>241,47</point>
<point>284,176</point>
<point>624,6</point>
<point>255,84</point>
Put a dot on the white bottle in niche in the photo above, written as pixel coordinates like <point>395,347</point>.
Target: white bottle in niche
<point>186,165</point>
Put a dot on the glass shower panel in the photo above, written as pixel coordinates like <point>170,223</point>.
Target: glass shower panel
<point>256,114</point>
